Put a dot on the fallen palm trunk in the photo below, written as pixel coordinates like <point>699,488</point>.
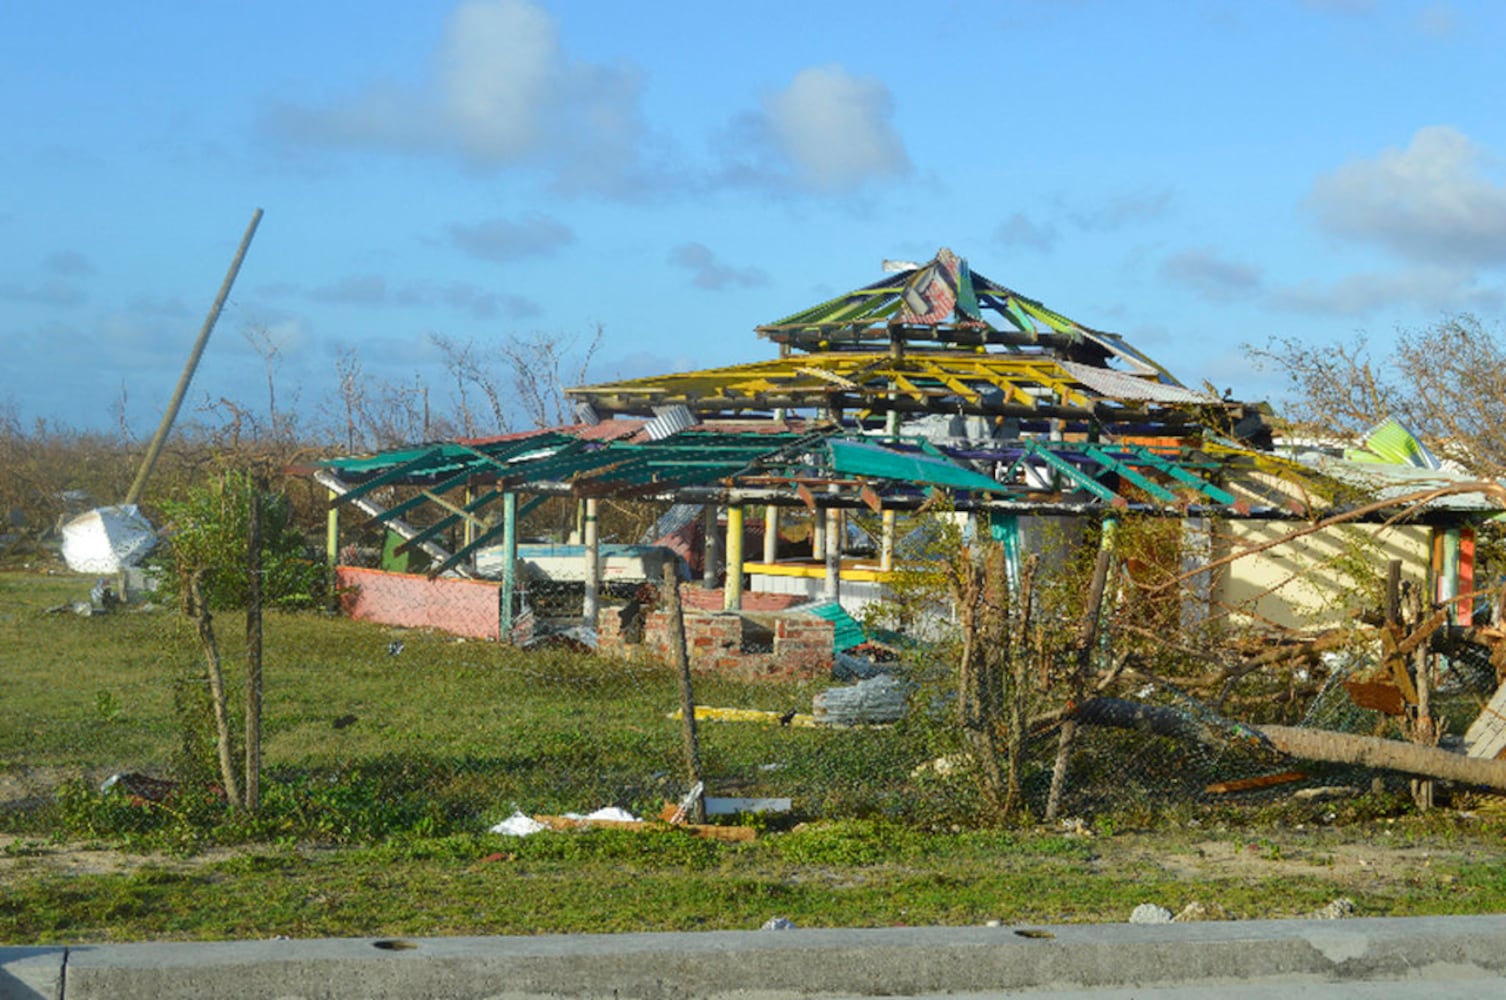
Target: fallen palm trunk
<point>1297,741</point>
<point>1119,713</point>
<point>1391,755</point>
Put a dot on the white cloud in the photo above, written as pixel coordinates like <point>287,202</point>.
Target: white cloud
<point>1210,275</point>
<point>828,131</point>
<point>709,273</point>
<point>837,128</point>
<point>1432,201</point>
<point>502,93</point>
<point>496,67</point>
<point>1432,289</point>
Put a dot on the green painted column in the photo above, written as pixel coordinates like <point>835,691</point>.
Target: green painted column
<point>1448,577</point>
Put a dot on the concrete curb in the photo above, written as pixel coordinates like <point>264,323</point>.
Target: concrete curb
<point>774,964</point>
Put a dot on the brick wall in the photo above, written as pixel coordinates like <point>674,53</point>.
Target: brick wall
<point>463,607</point>
<point>718,641</point>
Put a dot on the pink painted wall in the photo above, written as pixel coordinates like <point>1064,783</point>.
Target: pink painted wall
<point>463,607</point>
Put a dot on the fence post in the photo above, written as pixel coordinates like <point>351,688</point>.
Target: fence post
<point>253,645</point>
<point>509,562</point>
<point>697,813</point>
<point>592,540</point>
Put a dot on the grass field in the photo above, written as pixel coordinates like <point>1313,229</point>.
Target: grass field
<point>383,773</point>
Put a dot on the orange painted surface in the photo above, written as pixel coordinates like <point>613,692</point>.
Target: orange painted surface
<point>1466,615</point>
<point>461,607</point>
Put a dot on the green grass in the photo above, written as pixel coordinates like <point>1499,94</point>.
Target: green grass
<point>843,874</point>
<point>378,825</point>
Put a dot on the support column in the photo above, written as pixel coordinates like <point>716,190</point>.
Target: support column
<point>770,533</point>
<point>1448,575</point>
<point>332,552</point>
<point>886,541</point>
<point>467,524</point>
<point>818,533</point>
<point>711,554</point>
<point>732,596</point>
<point>509,562</point>
<point>592,540</point>
<point>833,589</point>
<point>332,533</point>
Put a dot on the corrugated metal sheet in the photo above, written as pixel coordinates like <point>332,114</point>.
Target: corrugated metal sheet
<point>1125,387</point>
<point>846,632</point>
<point>862,458</point>
<point>1391,482</point>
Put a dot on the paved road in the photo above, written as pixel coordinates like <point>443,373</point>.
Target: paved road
<point>1250,960</point>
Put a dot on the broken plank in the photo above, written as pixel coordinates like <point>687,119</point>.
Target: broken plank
<point>1250,784</point>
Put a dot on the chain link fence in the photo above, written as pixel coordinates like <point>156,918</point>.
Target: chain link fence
<point>377,728</point>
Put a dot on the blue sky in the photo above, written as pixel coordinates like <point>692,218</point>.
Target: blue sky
<point>1196,175</point>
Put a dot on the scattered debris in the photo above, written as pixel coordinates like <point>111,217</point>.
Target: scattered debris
<point>107,539</point>
<point>1033,933</point>
<point>1196,912</point>
<point>102,597</point>
<point>518,825</point>
<point>345,721</point>
<point>719,806</point>
<point>1150,913</point>
<point>140,787</point>
<point>677,814</point>
<point>394,647</point>
<point>1338,909</point>
<point>778,924</point>
<point>706,713</point>
<point>521,825</point>
<point>1325,793</point>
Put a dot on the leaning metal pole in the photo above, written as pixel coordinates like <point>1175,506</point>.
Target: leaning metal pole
<point>160,438</point>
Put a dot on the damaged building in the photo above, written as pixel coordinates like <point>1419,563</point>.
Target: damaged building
<point>794,489</point>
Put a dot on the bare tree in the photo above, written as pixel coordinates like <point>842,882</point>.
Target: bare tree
<point>269,348</point>
<point>519,377</point>
<point>468,369</point>
<point>540,376</point>
<point>1446,382</point>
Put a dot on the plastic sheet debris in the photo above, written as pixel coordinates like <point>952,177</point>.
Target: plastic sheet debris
<point>107,539</point>
<point>519,825</point>
<point>878,699</point>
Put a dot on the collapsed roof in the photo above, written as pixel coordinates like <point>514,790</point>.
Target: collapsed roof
<point>933,380</point>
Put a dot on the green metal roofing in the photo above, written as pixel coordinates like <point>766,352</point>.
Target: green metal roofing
<point>847,632</point>
<point>864,458</point>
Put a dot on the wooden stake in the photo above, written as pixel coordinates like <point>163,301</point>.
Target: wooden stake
<point>687,694</point>
<point>253,646</point>
<point>200,613</point>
